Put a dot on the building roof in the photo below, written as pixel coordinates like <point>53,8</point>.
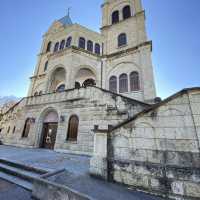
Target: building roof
<point>66,20</point>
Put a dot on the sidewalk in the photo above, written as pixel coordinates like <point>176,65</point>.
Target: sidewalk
<point>77,176</point>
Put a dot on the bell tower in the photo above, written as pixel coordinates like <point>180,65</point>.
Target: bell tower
<point>129,51</point>
<point>126,17</point>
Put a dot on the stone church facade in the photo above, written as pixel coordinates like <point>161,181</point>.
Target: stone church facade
<point>85,77</point>
<point>94,94</point>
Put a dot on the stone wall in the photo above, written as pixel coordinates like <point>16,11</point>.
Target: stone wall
<point>92,105</point>
<point>158,150</point>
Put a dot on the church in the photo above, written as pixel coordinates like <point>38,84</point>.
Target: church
<point>83,78</point>
<point>94,94</point>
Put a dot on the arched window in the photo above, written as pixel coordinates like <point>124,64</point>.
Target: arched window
<point>27,128</point>
<point>113,84</point>
<point>134,81</point>
<point>56,47</point>
<point>81,43</point>
<point>8,129</point>
<point>62,45</point>
<point>126,12</point>
<point>14,129</point>
<point>73,128</point>
<point>122,40</point>
<point>77,85</point>
<point>61,88</point>
<point>115,17</point>
<point>89,82</point>
<point>49,47</point>
<point>69,41</point>
<point>123,83</point>
<point>97,49</point>
<point>36,94</point>
<point>90,46</point>
<point>46,66</point>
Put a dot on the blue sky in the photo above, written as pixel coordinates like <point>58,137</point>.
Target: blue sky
<point>173,25</point>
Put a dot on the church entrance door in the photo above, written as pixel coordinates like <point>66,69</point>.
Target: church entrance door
<point>49,135</point>
<point>49,131</point>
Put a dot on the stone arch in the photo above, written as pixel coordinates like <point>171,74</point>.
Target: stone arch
<point>127,68</point>
<point>42,119</point>
<point>144,129</point>
<point>39,87</point>
<point>56,77</point>
<point>173,117</point>
<point>83,74</point>
<point>119,6</point>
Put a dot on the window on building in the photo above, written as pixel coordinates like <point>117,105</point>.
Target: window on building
<point>97,49</point>
<point>56,47</point>
<point>122,40</point>
<point>126,12</point>
<point>115,17</point>
<point>90,46</point>
<point>113,84</point>
<point>73,128</point>
<point>61,88</point>
<point>134,81</point>
<point>81,43</point>
<point>62,45</point>
<point>89,82</point>
<point>14,129</point>
<point>123,83</point>
<point>40,93</point>
<point>77,85</point>
<point>69,41</point>
<point>46,66</point>
<point>48,47</point>
<point>8,131</point>
<point>36,94</point>
<point>27,127</point>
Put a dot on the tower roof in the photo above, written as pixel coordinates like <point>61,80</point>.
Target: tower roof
<point>66,20</point>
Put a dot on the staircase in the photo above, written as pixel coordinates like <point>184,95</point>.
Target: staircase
<point>19,174</point>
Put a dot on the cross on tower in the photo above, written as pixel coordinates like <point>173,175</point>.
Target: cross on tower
<point>68,11</point>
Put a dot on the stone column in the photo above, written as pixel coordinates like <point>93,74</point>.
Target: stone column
<point>98,162</point>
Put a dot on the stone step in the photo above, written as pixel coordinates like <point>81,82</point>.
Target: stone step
<point>24,174</point>
<point>19,174</point>
<point>16,180</point>
<point>23,166</point>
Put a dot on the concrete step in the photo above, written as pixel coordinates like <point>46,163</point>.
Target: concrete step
<point>28,175</point>
<point>16,180</point>
<point>19,174</point>
<point>23,166</point>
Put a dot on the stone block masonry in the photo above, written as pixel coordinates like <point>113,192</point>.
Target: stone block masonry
<point>158,149</point>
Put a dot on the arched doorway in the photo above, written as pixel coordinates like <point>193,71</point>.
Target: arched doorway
<point>49,131</point>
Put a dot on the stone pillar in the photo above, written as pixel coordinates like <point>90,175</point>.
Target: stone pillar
<point>98,162</point>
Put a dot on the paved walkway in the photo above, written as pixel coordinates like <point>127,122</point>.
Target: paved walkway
<point>9,191</point>
<point>46,159</point>
<point>77,175</point>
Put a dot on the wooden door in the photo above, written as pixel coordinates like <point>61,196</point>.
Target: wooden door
<point>49,135</point>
